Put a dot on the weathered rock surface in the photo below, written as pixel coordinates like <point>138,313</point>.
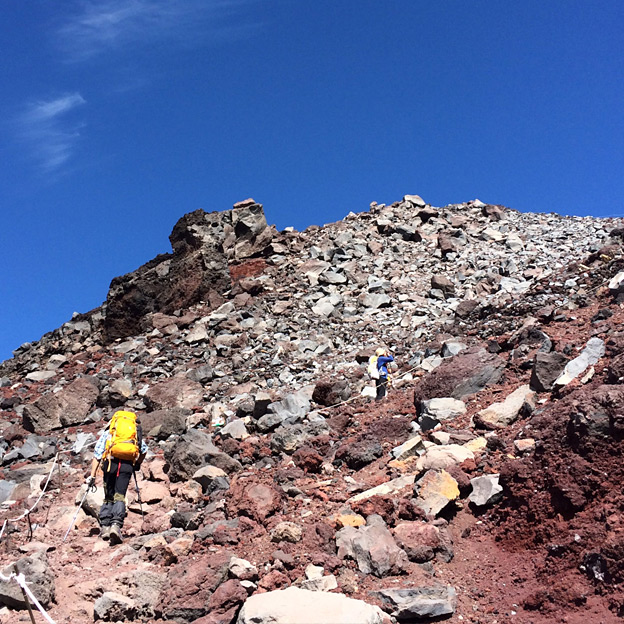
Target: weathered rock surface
<point>39,577</point>
<point>70,406</point>
<point>372,547</point>
<point>300,606</point>
<point>420,603</point>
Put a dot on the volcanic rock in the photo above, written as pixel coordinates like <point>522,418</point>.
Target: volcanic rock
<point>301,606</point>
<point>420,603</point>
<point>485,490</point>
<point>372,547</point>
<point>39,577</point>
<point>70,406</point>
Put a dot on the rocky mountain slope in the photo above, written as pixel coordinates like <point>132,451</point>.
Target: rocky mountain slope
<point>485,488</point>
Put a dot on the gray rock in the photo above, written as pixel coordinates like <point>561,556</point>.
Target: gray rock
<point>443,408</point>
<point>415,200</point>
<point>144,587</point>
<point>68,407</point>
<point>374,300</point>
<point>504,413</point>
<point>411,447</point>
<point>6,489</point>
<point>547,367</point>
<point>373,548</point>
<point>211,478</point>
<point>201,374</point>
<point>112,607</point>
<point>242,569</point>
<point>592,352</point>
<point>485,490</point>
<point>83,440</point>
<point>235,429</point>
<point>194,450</point>
<point>451,348</point>
<point>292,407</point>
<point>43,375</point>
<point>420,603</point>
<point>39,577</point>
<point>165,422</point>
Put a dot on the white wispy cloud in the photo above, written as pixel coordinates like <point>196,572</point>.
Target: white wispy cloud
<point>49,132</point>
<point>101,26</point>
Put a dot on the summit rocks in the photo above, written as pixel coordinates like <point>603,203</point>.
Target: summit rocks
<point>485,487</point>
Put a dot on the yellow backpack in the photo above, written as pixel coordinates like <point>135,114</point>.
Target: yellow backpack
<point>124,440</point>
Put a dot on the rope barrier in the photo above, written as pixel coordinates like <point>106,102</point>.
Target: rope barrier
<point>29,511</point>
<point>20,579</point>
<point>359,396</point>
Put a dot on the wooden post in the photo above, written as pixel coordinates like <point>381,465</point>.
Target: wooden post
<point>30,612</point>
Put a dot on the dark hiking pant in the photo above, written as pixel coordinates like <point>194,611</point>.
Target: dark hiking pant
<point>382,385</point>
<point>117,475</point>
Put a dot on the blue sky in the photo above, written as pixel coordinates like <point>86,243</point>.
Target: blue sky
<point>119,116</point>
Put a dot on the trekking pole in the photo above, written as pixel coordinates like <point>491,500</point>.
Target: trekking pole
<point>136,483</point>
<point>82,500</point>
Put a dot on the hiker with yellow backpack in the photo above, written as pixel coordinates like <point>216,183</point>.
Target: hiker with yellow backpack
<point>120,451</point>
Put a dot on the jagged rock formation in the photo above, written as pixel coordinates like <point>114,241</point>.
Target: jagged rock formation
<point>203,245</point>
<point>484,485</point>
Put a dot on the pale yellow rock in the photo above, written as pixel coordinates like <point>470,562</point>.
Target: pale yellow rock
<point>180,547</point>
<point>157,540</point>
<point>190,491</point>
<point>477,445</point>
<point>436,490</point>
<point>353,520</point>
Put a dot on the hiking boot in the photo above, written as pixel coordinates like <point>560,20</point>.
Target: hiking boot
<point>115,534</point>
<point>105,532</point>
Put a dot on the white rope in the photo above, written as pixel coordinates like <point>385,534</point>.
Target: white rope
<point>3,527</point>
<point>29,511</point>
<point>20,579</point>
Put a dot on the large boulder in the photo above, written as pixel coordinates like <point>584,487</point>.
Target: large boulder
<point>69,406</point>
<point>194,450</point>
<point>165,422</point>
<point>462,375</point>
<point>301,606</point>
<point>190,585</point>
<point>177,392</point>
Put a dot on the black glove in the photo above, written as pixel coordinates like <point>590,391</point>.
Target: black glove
<point>90,483</point>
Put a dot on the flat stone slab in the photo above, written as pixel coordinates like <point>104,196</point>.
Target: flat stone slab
<point>301,606</point>
<point>390,487</point>
<point>420,602</point>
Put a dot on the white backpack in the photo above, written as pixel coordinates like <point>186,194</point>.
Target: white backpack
<point>373,371</point>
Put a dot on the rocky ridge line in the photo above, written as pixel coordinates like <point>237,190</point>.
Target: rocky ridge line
<point>247,337</point>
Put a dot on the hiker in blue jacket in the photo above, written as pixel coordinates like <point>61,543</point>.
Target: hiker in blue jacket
<point>383,359</point>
